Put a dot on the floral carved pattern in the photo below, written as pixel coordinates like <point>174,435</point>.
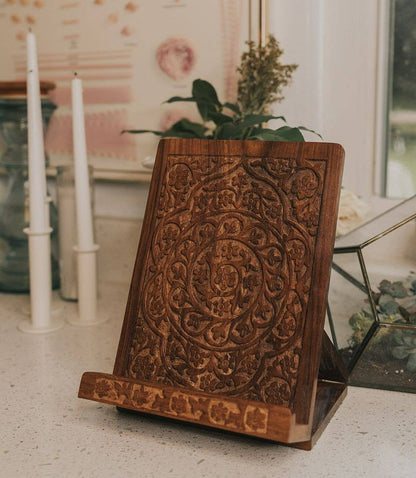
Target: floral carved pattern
<point>227,279</point>
<point>225,413</point>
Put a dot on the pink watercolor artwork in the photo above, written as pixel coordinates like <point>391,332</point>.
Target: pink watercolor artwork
<point>176,58</point>
<point>127,31</point>
<point>103,133</point>
<point>113,18</point>
<point>69,5</point>
<point>131,7</point>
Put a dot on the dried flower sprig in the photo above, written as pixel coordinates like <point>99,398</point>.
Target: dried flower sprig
<point>262,77</point>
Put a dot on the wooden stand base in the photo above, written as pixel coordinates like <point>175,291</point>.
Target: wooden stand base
<point>257,419</point>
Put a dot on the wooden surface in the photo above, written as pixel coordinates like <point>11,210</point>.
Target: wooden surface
<point>18,88</point>
<point>229,288</point>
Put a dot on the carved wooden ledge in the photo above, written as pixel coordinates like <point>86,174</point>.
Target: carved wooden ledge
<point>261,420</point>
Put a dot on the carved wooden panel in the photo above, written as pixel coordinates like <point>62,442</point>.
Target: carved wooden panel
<point>225,286</point>
<point>229,288</point>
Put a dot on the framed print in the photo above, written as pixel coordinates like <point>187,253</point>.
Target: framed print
<point>131,56</point>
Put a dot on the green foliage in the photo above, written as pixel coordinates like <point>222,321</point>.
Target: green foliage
<point>360,324</point>
<point>395,304</point>
<point>405,348</point>
<point>262,77</point>
<point>218,123</point>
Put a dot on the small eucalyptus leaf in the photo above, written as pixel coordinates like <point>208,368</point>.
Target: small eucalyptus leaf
<point>411,363</point>
<point>409,340</point>
<point>400,352</point>
<point>390,308</point>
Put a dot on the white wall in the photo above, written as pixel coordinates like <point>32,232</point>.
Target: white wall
<point>121,199</point>
<point>335,43</point>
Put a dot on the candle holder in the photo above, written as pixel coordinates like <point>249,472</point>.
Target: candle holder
<point>65,183</point>
<point>14,211</point>
<point>87,289</point>
<point>41,321</point>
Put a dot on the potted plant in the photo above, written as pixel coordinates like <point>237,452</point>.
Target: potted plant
<point>262,78</point>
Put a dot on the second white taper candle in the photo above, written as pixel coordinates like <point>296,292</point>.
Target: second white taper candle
<point>82,187</point>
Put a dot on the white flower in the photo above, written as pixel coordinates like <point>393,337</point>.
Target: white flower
<point>352,212</point>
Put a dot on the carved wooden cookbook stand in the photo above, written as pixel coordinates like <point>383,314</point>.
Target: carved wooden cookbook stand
<point>224,324</point>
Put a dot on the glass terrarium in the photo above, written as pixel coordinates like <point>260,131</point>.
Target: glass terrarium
<point>372,300</point>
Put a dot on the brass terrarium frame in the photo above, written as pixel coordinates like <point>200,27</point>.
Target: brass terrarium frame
<point>354,243</point>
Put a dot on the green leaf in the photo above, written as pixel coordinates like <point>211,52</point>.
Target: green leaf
<point>310,131</point>
<point>206,98</point>
<point>205,109</point>
<point>252,120</point>
<point>411,363</point>
<point>204,91</point>
<point>233,107</point>
<point>266,136</point>
<point>282,134</point>
<point>174,99</point>
<point>290,134</point>
<point>229,131</point>
<point>409,340</point>
<point>180,134</point>
<point>219,118</point>
<point>390,307</point>
<point>141,131</point>
<point>186,129</point>
<point>400,352</point>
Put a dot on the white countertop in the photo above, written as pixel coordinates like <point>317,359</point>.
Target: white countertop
<point>47,431</point>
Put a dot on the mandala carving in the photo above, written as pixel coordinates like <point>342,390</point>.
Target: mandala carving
<point>227,277</point>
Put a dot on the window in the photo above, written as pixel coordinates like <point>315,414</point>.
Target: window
<point>401,160</point>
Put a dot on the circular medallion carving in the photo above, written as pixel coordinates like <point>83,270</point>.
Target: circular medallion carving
<point>221,274</point>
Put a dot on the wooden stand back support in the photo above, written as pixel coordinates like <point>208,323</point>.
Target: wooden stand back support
<point>225,317</point>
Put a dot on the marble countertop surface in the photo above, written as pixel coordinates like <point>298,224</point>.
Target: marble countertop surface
<point>46,431</point>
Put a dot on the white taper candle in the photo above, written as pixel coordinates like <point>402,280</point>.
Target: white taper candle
<point>82,187</point>
<point>37,175</point>
<point>39,230</point>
